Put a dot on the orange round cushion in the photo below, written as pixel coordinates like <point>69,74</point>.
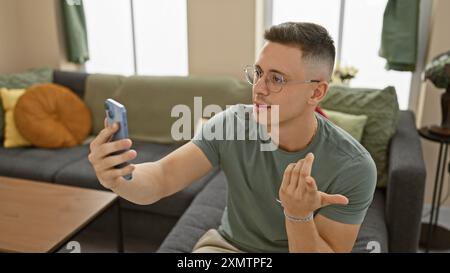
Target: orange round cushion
<point>52,116</point>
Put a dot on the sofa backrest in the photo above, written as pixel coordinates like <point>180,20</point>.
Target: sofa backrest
<point>73,80</point>
<point>150,99</point>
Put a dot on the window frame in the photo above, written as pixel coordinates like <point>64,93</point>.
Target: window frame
<point>423,39</point>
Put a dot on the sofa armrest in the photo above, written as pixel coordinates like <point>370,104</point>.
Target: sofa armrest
<point>406,186</point>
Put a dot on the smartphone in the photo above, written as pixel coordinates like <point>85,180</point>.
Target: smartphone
<point>116,113</point>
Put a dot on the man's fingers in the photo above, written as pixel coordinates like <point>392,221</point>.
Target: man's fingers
<point>114,173</point>
<point>111,147</point>
<point>295,175</point>
<point>310,183</point>
<point>307,165</point>
<point>333,199</point>
<point>104,135</point>
<point>287,175</point>
<point>115,160</point>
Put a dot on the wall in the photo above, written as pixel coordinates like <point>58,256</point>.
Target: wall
<point>31,35</point>
<point>221,39</point>
<point>429,102</point>
<point>9,36</point>
<point>38,33</point>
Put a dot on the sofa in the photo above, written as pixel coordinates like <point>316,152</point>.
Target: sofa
<point>175,223</point>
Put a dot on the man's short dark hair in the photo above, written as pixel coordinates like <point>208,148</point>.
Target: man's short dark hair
<point>313,40</point>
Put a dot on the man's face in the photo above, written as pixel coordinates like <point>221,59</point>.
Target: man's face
<point>293,98</point>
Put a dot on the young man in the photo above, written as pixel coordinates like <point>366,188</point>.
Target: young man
<point>309,195</point>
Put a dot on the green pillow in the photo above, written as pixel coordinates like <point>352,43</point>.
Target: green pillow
<point>23,80</point>
<point>381,109</point>
<point>26,78</point>
<point>352,124</point>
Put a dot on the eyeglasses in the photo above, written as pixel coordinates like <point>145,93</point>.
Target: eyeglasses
<point>274,80</point>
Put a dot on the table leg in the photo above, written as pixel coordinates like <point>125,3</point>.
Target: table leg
<point>441,183</point>
<point>430,225</point>
<point>437,237</point>
<point>119,228</point>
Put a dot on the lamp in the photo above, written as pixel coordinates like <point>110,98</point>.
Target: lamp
<point>438,72</point>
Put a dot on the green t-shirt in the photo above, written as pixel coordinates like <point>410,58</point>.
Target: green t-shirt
<point>253,220</point>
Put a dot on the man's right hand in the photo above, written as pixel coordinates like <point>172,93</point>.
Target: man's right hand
<point>103,162</point>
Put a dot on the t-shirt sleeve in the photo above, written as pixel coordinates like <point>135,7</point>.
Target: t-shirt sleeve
<point>207,141</point>
<point>357,181</point>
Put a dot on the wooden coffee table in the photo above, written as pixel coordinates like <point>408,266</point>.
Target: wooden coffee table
<point>42,217</point>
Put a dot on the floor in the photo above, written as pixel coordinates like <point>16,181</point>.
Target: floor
<point>444,221</point>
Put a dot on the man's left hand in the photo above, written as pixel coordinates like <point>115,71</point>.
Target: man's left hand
<point>298,192</point>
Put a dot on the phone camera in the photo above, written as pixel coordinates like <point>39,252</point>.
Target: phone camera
<point>110,113</point>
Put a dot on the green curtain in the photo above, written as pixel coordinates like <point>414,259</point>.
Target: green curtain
<point>399,34</point>
<point>75,31</point>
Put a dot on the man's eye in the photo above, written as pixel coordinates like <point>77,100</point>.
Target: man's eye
<point>277,78</point>
<point>258,74</point>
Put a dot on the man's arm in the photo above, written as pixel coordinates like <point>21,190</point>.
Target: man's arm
<point>152,180</point>
<point>321,235</point>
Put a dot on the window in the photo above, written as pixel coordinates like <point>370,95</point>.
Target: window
<point>161,37</point>
<point>308,11</point>
<point>145,37</point>
<point>360,38</point>
<point>109,36</point>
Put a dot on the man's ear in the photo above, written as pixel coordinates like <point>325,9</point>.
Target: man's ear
<point>319,92</point>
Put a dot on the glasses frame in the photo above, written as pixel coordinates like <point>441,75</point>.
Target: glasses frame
<point>266,80</point>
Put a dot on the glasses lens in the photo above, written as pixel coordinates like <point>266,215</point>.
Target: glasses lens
<point>250,74</point>
<point>275,82</point>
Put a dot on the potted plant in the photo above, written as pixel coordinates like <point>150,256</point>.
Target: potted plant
<point>343,74</point>
<point>438,72</point>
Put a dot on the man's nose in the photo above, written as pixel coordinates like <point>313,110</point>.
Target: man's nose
<point>260,87</point>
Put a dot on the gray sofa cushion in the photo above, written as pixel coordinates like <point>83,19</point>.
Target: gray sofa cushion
<point>206,211</point>
<point>81,174</point>
<point>38,164</point>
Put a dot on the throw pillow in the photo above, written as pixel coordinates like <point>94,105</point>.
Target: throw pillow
<point>13,138</point>
<point>26,78</point>
<point>52,116</point>
<point>23,80</point>
<point>381,109</point>
<point>352,124</point>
